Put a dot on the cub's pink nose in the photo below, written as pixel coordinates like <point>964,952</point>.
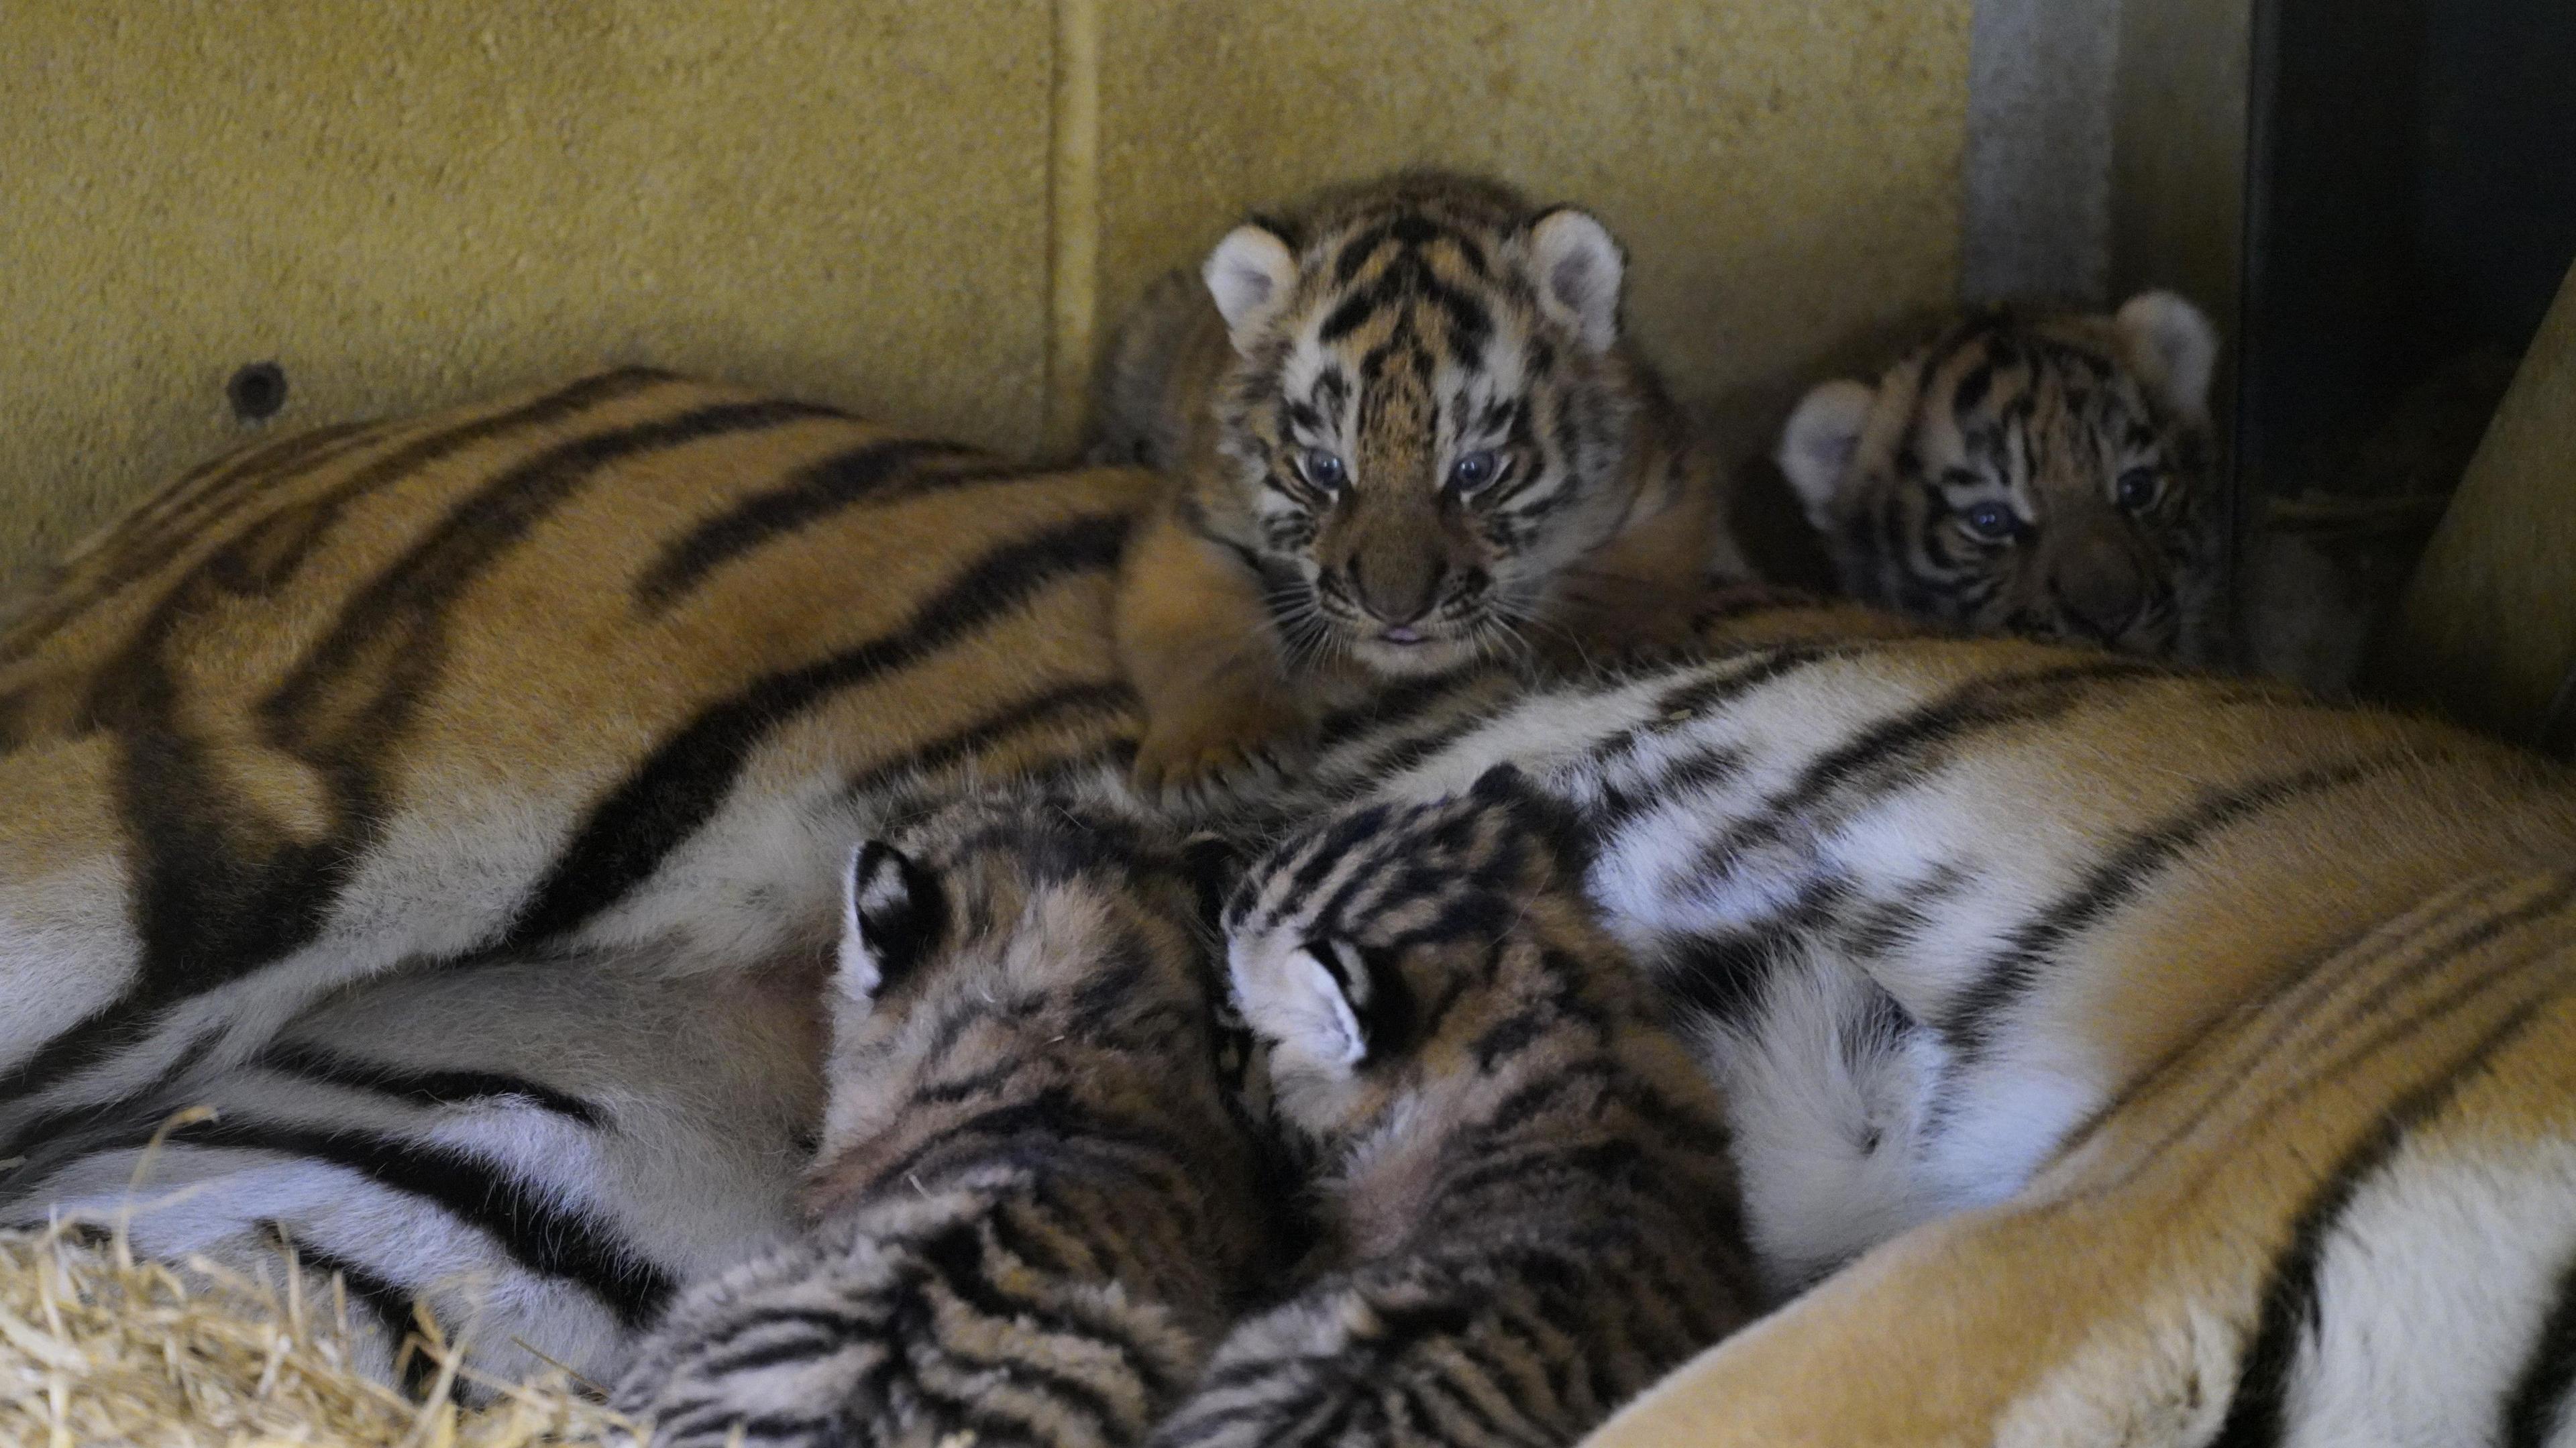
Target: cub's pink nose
<point>1401,635</point>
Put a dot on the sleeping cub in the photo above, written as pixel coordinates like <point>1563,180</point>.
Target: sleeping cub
<point>1407,433</point>
<point>1526,1175</point>
<point>1037,1205</point>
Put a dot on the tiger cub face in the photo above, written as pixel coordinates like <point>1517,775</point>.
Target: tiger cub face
<point>1426,416</point>
<point>2050,477</point>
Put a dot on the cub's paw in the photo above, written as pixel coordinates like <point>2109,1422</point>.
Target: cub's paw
<point>1220,744</point>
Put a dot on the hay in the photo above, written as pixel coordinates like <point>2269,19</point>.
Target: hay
<point>96,1347</point>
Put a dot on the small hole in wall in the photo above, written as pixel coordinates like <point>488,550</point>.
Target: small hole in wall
<point>257,391</point>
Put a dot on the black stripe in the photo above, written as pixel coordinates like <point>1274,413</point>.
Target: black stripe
<point>1969,1024</point>
<point>1675,783</point>
<point>1352,314</point>
<point>1894,750</point>
<point>1719,978</point>
<point>957,1258</point>
<point>1586,1166</point>
<point>1510,1035</point>
<point>1315,859</point>
<point>101,1034</point>
<point>2392,1030</point>
<point>672,794</point>
<point>2537,1407</point>
<point>1981,703</point>
<point>1116,985</point>
<point>1882,926</point>
<point>1355,253</point>
<point>142,540</point>
<point>2290,1003</point>
<point>389,1303</point>
<point>121,1024</point>
<point>864,474</point>
<point>2258,1409</point>
<point>394,617</point>
<point>815,1344</point>
<point>1065,701</point>
<point>1396,704</point>
<point>305,1061</point>
<point>202,514</point>
<point>1700,696</point>
<point>1051,1127</point>
<point>217,894</point>
<point>538,1232</point>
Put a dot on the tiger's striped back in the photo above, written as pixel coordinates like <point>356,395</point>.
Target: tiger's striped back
<point>1039,1207</point>
<point>2182,1060</point>
<point>597,666</point>
<point>2345,1215</point>
<point>1535,1208</point>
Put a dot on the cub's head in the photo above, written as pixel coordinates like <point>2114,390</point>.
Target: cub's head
<point>2048,477</point>
<point>1426,414</point>
<point>1393,944</point>
<point>1033,933</point>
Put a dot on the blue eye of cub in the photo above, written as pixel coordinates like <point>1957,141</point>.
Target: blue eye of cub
<point>2136,488</point>
<point>1322,468</point>
<point>1475,470</point>
<point>1991,520</point>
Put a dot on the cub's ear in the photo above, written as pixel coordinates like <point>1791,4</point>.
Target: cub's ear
<point>892,912</point>
<point>2173,346</point>
<point>1319,1007</point>
<point>1213,865</point>
<point>1579,272</point>
<point>1816,447</point>
<point>1251,275</point>
<point>1330,1003</point>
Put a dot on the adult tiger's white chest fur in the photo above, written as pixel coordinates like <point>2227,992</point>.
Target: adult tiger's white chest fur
<point>1928,904</point>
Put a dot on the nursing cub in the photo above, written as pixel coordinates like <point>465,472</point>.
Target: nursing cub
<point>1036,1206</point>
<point>1523,1176</point>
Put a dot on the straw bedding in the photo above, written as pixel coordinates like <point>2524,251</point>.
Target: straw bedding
<point>97,1347</point>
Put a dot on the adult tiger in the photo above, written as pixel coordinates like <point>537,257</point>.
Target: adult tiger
<point>540,1150</point>
<point>620,663</point>
<point>2043,475</point>
<point>2042,877</point>
<point>2184,1060</point>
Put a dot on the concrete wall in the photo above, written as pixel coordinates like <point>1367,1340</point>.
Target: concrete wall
<point>929,210</point>
<point>2042,77</point>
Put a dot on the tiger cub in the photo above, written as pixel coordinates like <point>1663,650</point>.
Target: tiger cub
<point>1036,1207</point>
<point>1408,433</point>
<point>1528,1177</point>
<point>2048,476</point>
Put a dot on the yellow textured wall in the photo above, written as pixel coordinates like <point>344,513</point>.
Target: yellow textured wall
<point>930,211</point>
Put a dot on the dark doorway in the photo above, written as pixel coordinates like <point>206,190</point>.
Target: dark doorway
<point>2411,214</point>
